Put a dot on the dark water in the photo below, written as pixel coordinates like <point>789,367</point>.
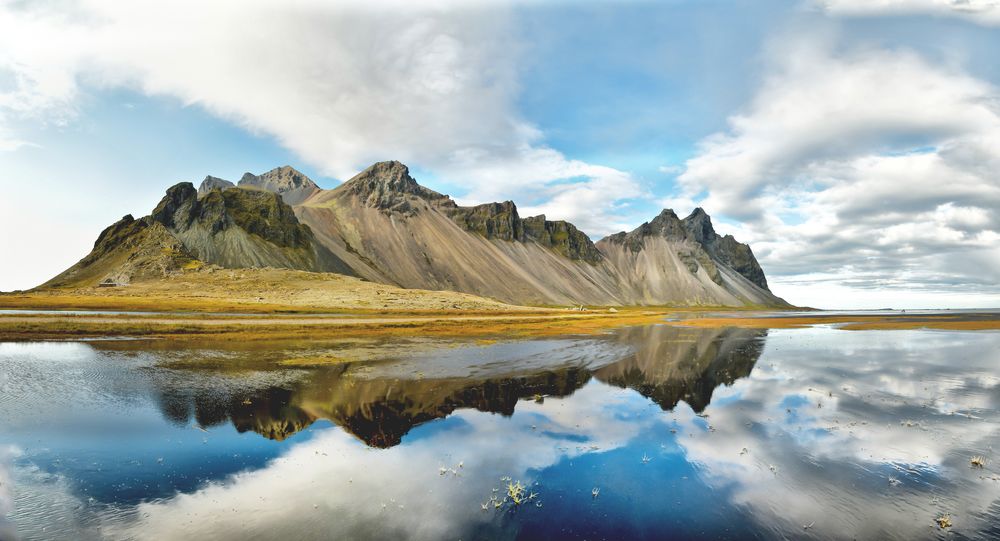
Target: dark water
<point>681,433</point>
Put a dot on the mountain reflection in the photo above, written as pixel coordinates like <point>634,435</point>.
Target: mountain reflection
<point>671,364</point>
<point>666,364</point>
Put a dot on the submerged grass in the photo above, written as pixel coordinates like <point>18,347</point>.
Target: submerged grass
<point>957,322</point>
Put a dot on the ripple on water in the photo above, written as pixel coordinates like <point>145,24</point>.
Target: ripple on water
<point>700,433</point>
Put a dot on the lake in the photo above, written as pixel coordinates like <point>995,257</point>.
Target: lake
<point>654,432</point>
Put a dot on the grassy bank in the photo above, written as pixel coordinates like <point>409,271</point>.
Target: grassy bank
<point>316,328</point>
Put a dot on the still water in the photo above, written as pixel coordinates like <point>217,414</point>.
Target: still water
<point>646,433</point>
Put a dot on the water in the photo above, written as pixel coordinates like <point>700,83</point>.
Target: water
<point>682,434</point>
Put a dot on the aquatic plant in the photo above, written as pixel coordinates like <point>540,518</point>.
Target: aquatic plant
<point>978,461</point>
<point>517,494</point>
<point>944,521</point>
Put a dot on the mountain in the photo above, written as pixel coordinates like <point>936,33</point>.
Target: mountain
<point>666,364</point>
<point>231,228</point>
<point>390,229</point>
<point>213,183</point>
<point>291,185</point>
<point>382,226</point>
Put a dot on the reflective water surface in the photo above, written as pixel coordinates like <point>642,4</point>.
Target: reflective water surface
<point>647,433</point>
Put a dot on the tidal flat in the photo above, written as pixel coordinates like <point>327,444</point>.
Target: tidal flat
<point>709,426</point>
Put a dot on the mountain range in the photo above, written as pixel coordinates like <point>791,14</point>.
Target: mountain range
<point>382,226</point>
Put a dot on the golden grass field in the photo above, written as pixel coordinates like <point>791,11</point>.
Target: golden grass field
<point>276,304</point>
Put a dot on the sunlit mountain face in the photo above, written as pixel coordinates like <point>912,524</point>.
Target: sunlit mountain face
<point>648,432</point>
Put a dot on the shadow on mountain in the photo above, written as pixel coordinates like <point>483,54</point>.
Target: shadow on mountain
<point>667,365</point>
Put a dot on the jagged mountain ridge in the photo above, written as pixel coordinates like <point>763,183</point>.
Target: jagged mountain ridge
<point>390,229</point>
<point>383,226</point>
<point>225,226</point>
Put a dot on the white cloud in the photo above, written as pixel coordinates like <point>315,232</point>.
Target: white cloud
<point>395,492</point>
<point>873,165</point>
<point>432,84</point>
<point>818,452</point>
<point>985,12</point>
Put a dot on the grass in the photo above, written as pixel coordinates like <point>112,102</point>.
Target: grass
<point>484,327</point>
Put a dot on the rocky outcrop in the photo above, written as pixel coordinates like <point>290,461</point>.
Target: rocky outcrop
<point>563,237</point>
<point>257,212</point>
<point>243,228</point>
<point>293,186</point>
<point>213,183</point>
<point>388,186</point>
<point>501,221</point>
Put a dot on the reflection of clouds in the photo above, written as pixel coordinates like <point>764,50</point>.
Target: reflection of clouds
<point>41,504</point>
<point>833,456</point>
<point>7,453</point>
<point>332,486</point>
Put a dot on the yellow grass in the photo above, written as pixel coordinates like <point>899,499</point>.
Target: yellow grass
<point>485,327</point>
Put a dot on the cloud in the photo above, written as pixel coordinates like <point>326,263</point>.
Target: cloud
<point>986,12</point>
<point>431,84</point>
<point>819,454</point>
<point>398,492</point>
<point>872,165</point>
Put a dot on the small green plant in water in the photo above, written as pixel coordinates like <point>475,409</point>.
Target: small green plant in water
<point>517,495</point>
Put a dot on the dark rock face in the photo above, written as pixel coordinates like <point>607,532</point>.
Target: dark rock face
<point>563,237</point>
<point>260,213</point>
<point>726,249</point>
<point>697,229</point>
<point>492,220</point>
<point>388,186</point>
<point>213,183</point>
<point>176,209</point>
<point>740,257</point>
<point>666,224</point>
<point>501,221</point>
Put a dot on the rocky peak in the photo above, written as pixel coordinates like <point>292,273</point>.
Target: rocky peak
<point>388,186</point>
<point>667,224</point>
<point>699,226</point>
<point>696,228</point>
<point>213,183</point>
<point>175,209</point>
<point>256,211</point>
<point>293,186</point>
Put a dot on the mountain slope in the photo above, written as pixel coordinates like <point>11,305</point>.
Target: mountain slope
<point>384,227</point>
<point>390,229</point>
<point>128,249</point>
<point>232,227</point>
<point>670,261</point>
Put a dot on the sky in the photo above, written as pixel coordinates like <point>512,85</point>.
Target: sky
<point>855,144</point>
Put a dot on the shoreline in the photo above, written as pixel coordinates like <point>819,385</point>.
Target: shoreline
<point>472,324</point>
